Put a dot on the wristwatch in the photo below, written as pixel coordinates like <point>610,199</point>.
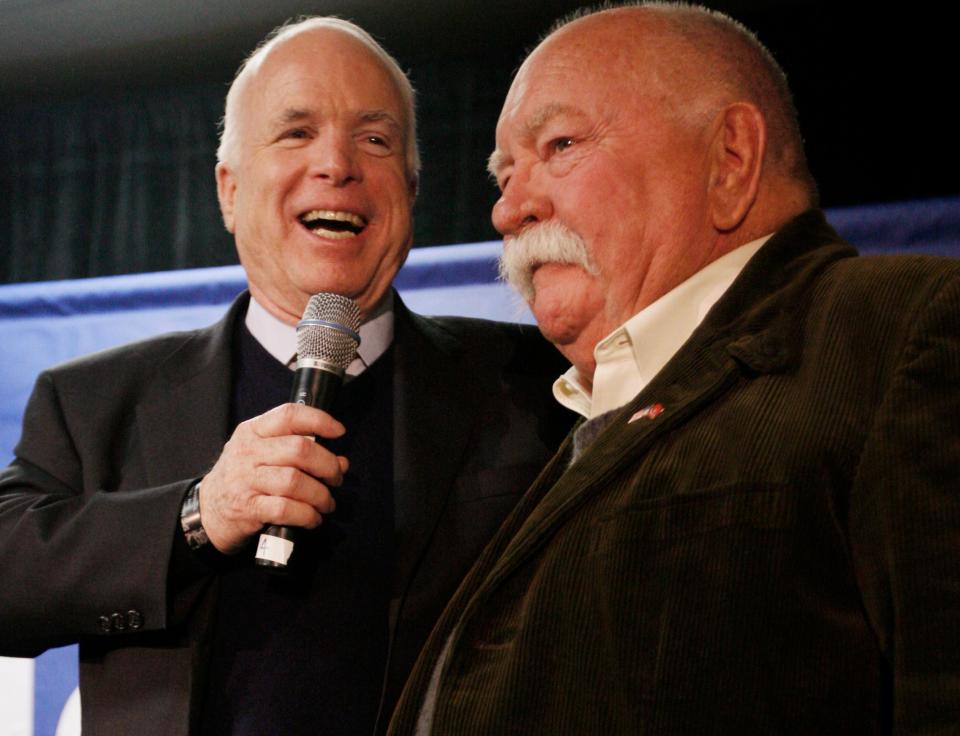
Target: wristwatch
<point>193,530</point>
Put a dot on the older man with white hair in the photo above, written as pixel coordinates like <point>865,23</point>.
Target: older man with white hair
<point>144,474</point>
<point>756,527</point>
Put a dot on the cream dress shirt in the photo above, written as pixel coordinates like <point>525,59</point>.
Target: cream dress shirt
<point>630,356</point>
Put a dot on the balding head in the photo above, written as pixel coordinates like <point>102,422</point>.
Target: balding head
<point>661,137</point>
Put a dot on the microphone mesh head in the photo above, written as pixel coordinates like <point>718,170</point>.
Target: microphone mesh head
<point>336,340</point>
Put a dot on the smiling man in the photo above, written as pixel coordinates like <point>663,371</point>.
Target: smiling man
<point>756,527</point>
<point>145,473</point>
<point>318,171</point>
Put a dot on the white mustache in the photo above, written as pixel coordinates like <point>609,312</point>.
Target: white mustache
<point>550,242</point>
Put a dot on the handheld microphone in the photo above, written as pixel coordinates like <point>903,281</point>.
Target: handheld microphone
<point>327,341</point>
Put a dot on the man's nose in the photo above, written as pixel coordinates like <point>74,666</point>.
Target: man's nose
<point>522,203</point>
<point>334,159</point>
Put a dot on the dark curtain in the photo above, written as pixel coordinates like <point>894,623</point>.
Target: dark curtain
<point>123,182</point>
<point>110,185</point>
<point>458,102</point>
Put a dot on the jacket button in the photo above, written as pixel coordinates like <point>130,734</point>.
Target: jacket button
<point>103,624</point>
<point>134,619</point>
<point>118,621</point>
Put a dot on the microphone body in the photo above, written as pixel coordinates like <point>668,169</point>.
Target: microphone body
<point>314,385</point>
<point>327,343</point>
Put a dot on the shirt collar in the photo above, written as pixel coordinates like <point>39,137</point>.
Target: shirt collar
<point>280,339</point>
<point>629,357</point>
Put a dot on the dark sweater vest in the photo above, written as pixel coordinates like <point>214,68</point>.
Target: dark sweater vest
<point>305,653</point>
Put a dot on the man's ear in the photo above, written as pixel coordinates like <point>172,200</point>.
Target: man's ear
<point>226,193</point>
<point>736,159</point>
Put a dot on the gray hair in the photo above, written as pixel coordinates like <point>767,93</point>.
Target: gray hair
<point>226,152</point>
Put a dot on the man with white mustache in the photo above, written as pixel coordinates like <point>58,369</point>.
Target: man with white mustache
<point>551,242</point>
<point>755,529</point>
<point>145,473</point>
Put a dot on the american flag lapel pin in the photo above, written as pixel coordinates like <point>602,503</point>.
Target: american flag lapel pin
<point>648,412</point>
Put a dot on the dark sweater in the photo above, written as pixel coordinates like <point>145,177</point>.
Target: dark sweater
<point>305,652</point>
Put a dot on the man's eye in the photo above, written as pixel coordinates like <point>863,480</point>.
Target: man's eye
<point>558,145</point>
<point>377,140</point>
<point>296,133</point>
<point>376,144</point>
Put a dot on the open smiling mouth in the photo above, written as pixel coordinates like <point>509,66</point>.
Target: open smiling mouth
<point>333,225</point>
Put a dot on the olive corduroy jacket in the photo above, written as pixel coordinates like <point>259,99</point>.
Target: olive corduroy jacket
<point>776,551</point>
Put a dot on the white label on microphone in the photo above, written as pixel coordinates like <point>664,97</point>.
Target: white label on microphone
<point>274,549</point>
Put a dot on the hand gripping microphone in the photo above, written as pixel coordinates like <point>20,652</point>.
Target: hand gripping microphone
<point>327,343</point>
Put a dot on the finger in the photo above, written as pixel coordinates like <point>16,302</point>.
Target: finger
<point>297,419</point>
<point>290,483</point>
<point>285,511</point>
<point>302,453</point>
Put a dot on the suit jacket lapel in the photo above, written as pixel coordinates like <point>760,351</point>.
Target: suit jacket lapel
<point>183,420</point>
<point>616,448</point>
<point>428,395</point>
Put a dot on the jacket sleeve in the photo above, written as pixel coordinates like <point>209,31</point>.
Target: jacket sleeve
<point>905,519</point>
<point>80,554</point>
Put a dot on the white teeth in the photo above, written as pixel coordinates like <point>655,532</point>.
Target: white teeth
<point>332,234</point>
<point>319,223</point>
<point>353,219</point>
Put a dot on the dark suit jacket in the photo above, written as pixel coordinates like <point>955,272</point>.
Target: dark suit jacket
<point>90,547</point>
<point>777,552</point>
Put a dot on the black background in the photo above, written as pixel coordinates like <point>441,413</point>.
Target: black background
<point>875,89</point>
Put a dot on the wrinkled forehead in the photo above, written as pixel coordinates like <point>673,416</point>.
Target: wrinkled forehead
<point>599,60</point>
<point>324,64</point>
<point>560,78</point>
